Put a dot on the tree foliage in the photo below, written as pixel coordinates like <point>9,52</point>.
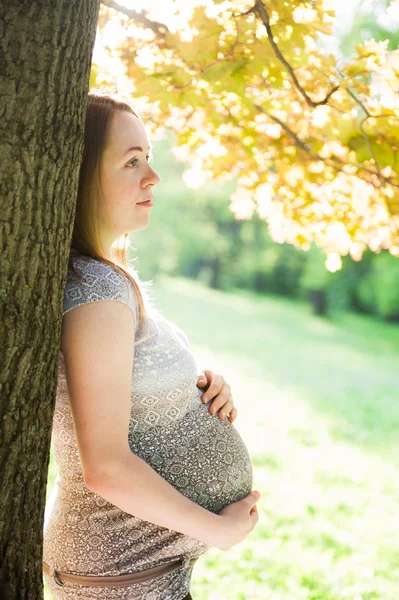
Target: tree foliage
<point>312,141</point>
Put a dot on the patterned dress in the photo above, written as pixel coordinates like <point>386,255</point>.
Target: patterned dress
<point>170,428</point>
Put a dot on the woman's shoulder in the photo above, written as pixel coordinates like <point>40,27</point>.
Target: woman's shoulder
<point>95,275</point>
<point>89,279</point>
<point>88,264</point>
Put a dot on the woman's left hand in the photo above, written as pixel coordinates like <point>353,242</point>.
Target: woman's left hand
<point>217,388</point>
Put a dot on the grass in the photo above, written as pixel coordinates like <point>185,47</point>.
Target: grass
<point>318,408</point>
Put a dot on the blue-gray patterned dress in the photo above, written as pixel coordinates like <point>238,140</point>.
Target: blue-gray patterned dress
<point>201,455</point>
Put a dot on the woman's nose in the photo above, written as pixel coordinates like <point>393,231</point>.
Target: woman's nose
<point>155,177</point>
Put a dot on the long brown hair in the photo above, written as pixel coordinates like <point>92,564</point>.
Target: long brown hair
<point>101,108</point>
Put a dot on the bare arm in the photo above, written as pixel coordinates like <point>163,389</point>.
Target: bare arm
<point>97,341</point>
<point>136,488</point>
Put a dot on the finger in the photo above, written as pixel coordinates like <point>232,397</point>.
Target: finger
<point>226,408</point>
<point>204,376</point>
<point>233,414</point>
<point>208,374</point>
<point>215,387</point>
<point>201,381</point>
<point>221,399</point>
<point>218,402</point>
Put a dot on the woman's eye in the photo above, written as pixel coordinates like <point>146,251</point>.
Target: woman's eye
<point>148,157</point>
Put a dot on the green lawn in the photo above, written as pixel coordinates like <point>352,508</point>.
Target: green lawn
<point>318,406</point>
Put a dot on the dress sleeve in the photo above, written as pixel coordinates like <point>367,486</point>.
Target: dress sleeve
<point>100,282</point>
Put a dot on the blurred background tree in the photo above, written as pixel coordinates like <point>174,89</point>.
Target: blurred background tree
<point>256,95</point>
<point>193,234</point>
<point>371,20</point>
<point>243,193</point>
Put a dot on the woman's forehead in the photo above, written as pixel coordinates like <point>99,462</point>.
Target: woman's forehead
<point>126,131</point>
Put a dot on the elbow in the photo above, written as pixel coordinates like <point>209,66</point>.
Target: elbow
<point>102,476</point>
<point>92,482</point>
<point>97,480</point>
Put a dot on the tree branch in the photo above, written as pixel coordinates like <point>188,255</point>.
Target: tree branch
<point>160,29</point>
<point>260,8</point>
<point>332,161</point>
<point>358,101</point>
<point>298,142</point>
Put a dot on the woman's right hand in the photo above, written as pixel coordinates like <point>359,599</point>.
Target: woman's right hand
<point>237,521</point>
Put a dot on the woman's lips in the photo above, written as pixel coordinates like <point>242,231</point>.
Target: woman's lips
<point>147,203</point>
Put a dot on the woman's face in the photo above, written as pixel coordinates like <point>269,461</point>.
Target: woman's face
<point>127,179</point>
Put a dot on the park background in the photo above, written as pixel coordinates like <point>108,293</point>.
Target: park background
<point>316,390</point>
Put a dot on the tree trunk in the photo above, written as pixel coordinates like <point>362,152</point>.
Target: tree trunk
<point>318,300</point>
<point>45,57</point>
<point>215,265</point>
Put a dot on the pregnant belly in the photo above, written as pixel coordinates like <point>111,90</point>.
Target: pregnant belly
<point>201,455</point>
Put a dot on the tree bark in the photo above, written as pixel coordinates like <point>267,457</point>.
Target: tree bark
<point>45,57</point>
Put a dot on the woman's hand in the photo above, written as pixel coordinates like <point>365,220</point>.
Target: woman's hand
<point>217,388</point>
<point>237,520</point>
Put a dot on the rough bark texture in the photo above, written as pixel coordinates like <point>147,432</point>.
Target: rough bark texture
<point>45,58</point>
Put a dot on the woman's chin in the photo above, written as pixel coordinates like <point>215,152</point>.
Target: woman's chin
<point>141,224</point>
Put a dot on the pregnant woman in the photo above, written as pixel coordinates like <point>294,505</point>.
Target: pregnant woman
<point>150,474</point>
